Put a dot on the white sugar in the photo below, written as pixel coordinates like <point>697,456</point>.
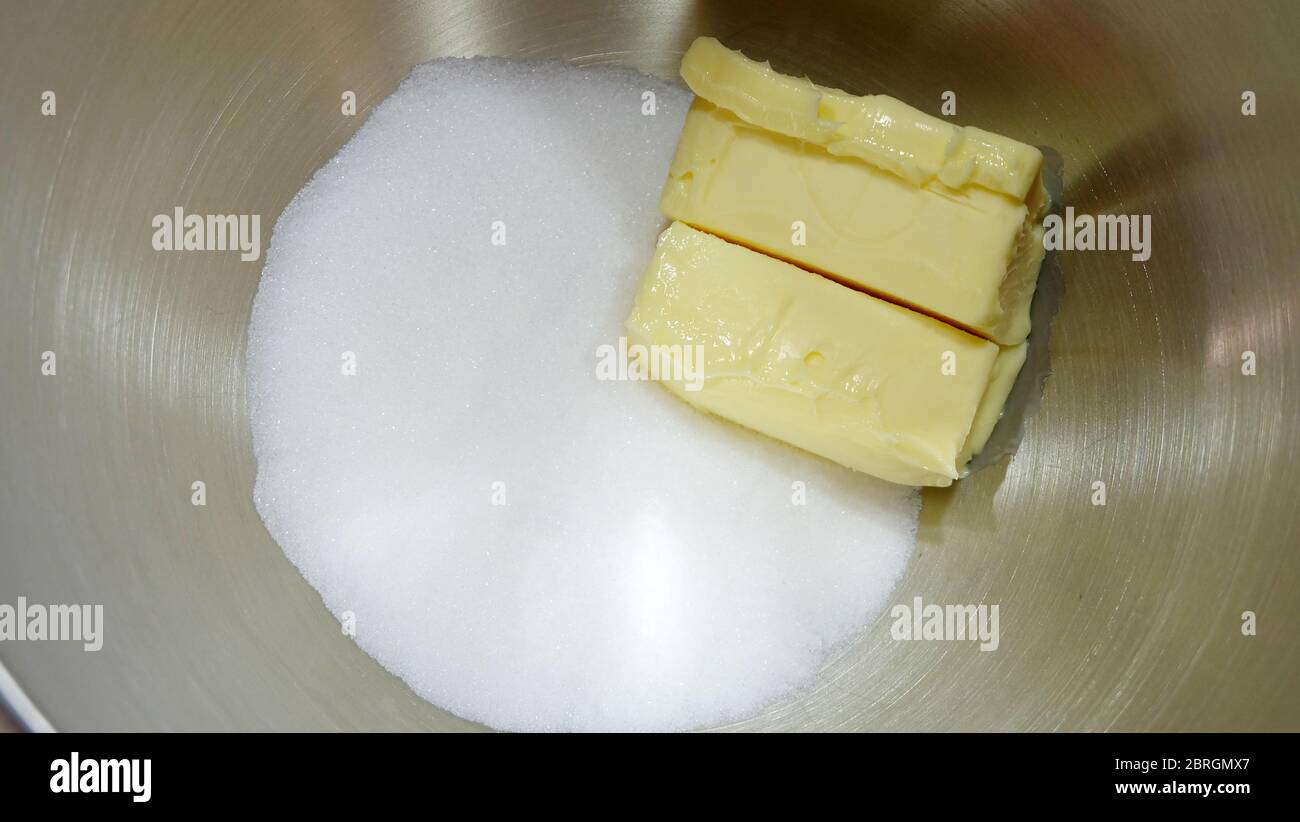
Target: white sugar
<point>649,567</point>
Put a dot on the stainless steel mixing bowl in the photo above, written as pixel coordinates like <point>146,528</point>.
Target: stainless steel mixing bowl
<point>1127,615</point>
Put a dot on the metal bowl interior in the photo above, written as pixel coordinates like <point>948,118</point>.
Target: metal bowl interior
<point>1122,616</point>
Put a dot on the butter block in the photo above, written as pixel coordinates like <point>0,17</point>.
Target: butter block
<point>942,219</point>
<point>875,128</point>
<point>793,355</point>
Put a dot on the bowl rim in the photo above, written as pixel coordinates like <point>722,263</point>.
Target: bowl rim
<point>20,706</point>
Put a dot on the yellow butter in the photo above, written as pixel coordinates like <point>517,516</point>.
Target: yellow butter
<point>855,379</point>
<point>967,257</point>
<point>890,200</point>
<point>877,129</point>
<point>1010,359</point>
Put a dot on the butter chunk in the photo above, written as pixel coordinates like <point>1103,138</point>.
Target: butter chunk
<point>755,93</point>
<point>969,257</point>
<point>877,129</point>
<point>842,374</point>
<point>867,190</point>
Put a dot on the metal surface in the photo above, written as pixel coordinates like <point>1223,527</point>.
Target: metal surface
<point>1126,615</point>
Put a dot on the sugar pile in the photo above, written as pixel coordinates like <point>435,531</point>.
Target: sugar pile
<point>525,545</point>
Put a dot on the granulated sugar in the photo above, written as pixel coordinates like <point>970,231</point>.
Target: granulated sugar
<point>524,544</point>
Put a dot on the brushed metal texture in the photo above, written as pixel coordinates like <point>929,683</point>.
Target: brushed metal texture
<point>1123,616</point>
